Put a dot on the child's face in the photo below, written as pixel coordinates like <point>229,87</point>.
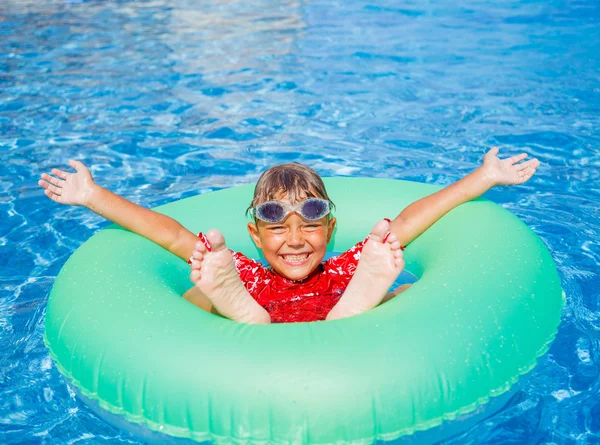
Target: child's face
<point>295,246</point>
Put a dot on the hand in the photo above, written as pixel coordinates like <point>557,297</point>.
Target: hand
<point>508,171</point>
<point>69,188</point>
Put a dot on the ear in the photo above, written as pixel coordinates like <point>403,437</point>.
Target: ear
<point>330,227</point>
<point>253,231</point>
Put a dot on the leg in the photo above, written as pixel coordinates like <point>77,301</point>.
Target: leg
<point>198,299</point>
<point>395,292</point>
<point>214,274</point>
<point>379,265</point>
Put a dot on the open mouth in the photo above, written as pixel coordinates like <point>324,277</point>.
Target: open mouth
<point>295,259</point>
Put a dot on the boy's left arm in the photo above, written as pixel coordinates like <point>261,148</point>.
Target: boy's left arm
<point>422,214</point>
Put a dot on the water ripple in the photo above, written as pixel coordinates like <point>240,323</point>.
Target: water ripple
<point>168,99</point>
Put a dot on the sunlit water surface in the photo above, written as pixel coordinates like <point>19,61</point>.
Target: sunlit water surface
<point>167,99</point>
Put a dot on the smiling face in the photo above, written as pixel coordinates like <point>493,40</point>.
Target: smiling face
<point>294,247</point>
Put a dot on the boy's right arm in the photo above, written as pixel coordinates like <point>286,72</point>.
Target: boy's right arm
<point>80,189</point>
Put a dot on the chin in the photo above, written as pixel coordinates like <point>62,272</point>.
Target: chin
<point>298,277</point>
<point>296,274</point>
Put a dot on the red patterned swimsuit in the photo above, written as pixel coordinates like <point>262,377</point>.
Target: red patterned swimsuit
<point>309,299</point>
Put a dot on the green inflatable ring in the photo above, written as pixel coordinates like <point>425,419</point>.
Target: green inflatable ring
<point>486,306</point>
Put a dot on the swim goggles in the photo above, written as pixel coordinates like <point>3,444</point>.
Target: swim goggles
<point>310,209</point>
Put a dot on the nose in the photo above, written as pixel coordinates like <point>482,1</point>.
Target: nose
<point>295,238</point>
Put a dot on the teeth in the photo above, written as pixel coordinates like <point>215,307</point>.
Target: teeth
<point>295,258</point>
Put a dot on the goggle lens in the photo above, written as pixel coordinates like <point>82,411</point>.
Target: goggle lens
<point>270,212</point>
<point>275,211</point>
<point>314,209</point>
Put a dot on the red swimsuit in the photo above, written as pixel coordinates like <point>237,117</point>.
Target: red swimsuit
<point>309,299</point>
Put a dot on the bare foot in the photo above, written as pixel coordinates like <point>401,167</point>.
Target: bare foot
<point>197,298</point>
<point>379,265</point>
<point>214,274</point>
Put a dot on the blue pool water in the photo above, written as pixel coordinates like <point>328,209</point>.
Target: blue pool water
<point>165,99</point>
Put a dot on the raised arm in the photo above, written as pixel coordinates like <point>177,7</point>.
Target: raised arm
<point>80,189</point>
<point>422,214</point>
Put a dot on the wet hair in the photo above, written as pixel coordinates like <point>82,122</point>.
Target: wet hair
<point>295,180</point>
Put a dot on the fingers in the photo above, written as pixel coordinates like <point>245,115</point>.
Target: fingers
<point>526,174</point>
<point>527,169</point>
<point>52,187</point>
<point>512,160</point>
<point>52,196</point>
<point>43,184</point>
<point>51,183</point>
<point>532,163</point>
<point>517,158</point>
<point>493,151</point>
<point>61,181</point>
<point>51,179</point>
<point>78,166</point>
<point>75,164</point>
<point>61,174</point>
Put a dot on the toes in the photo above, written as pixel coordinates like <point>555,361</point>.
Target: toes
<point>195,276</point>
<point>216,240</point>
<point>200,247</point>
<point>391,238</point>
<point>380,230</point>
<point>196,260</point>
